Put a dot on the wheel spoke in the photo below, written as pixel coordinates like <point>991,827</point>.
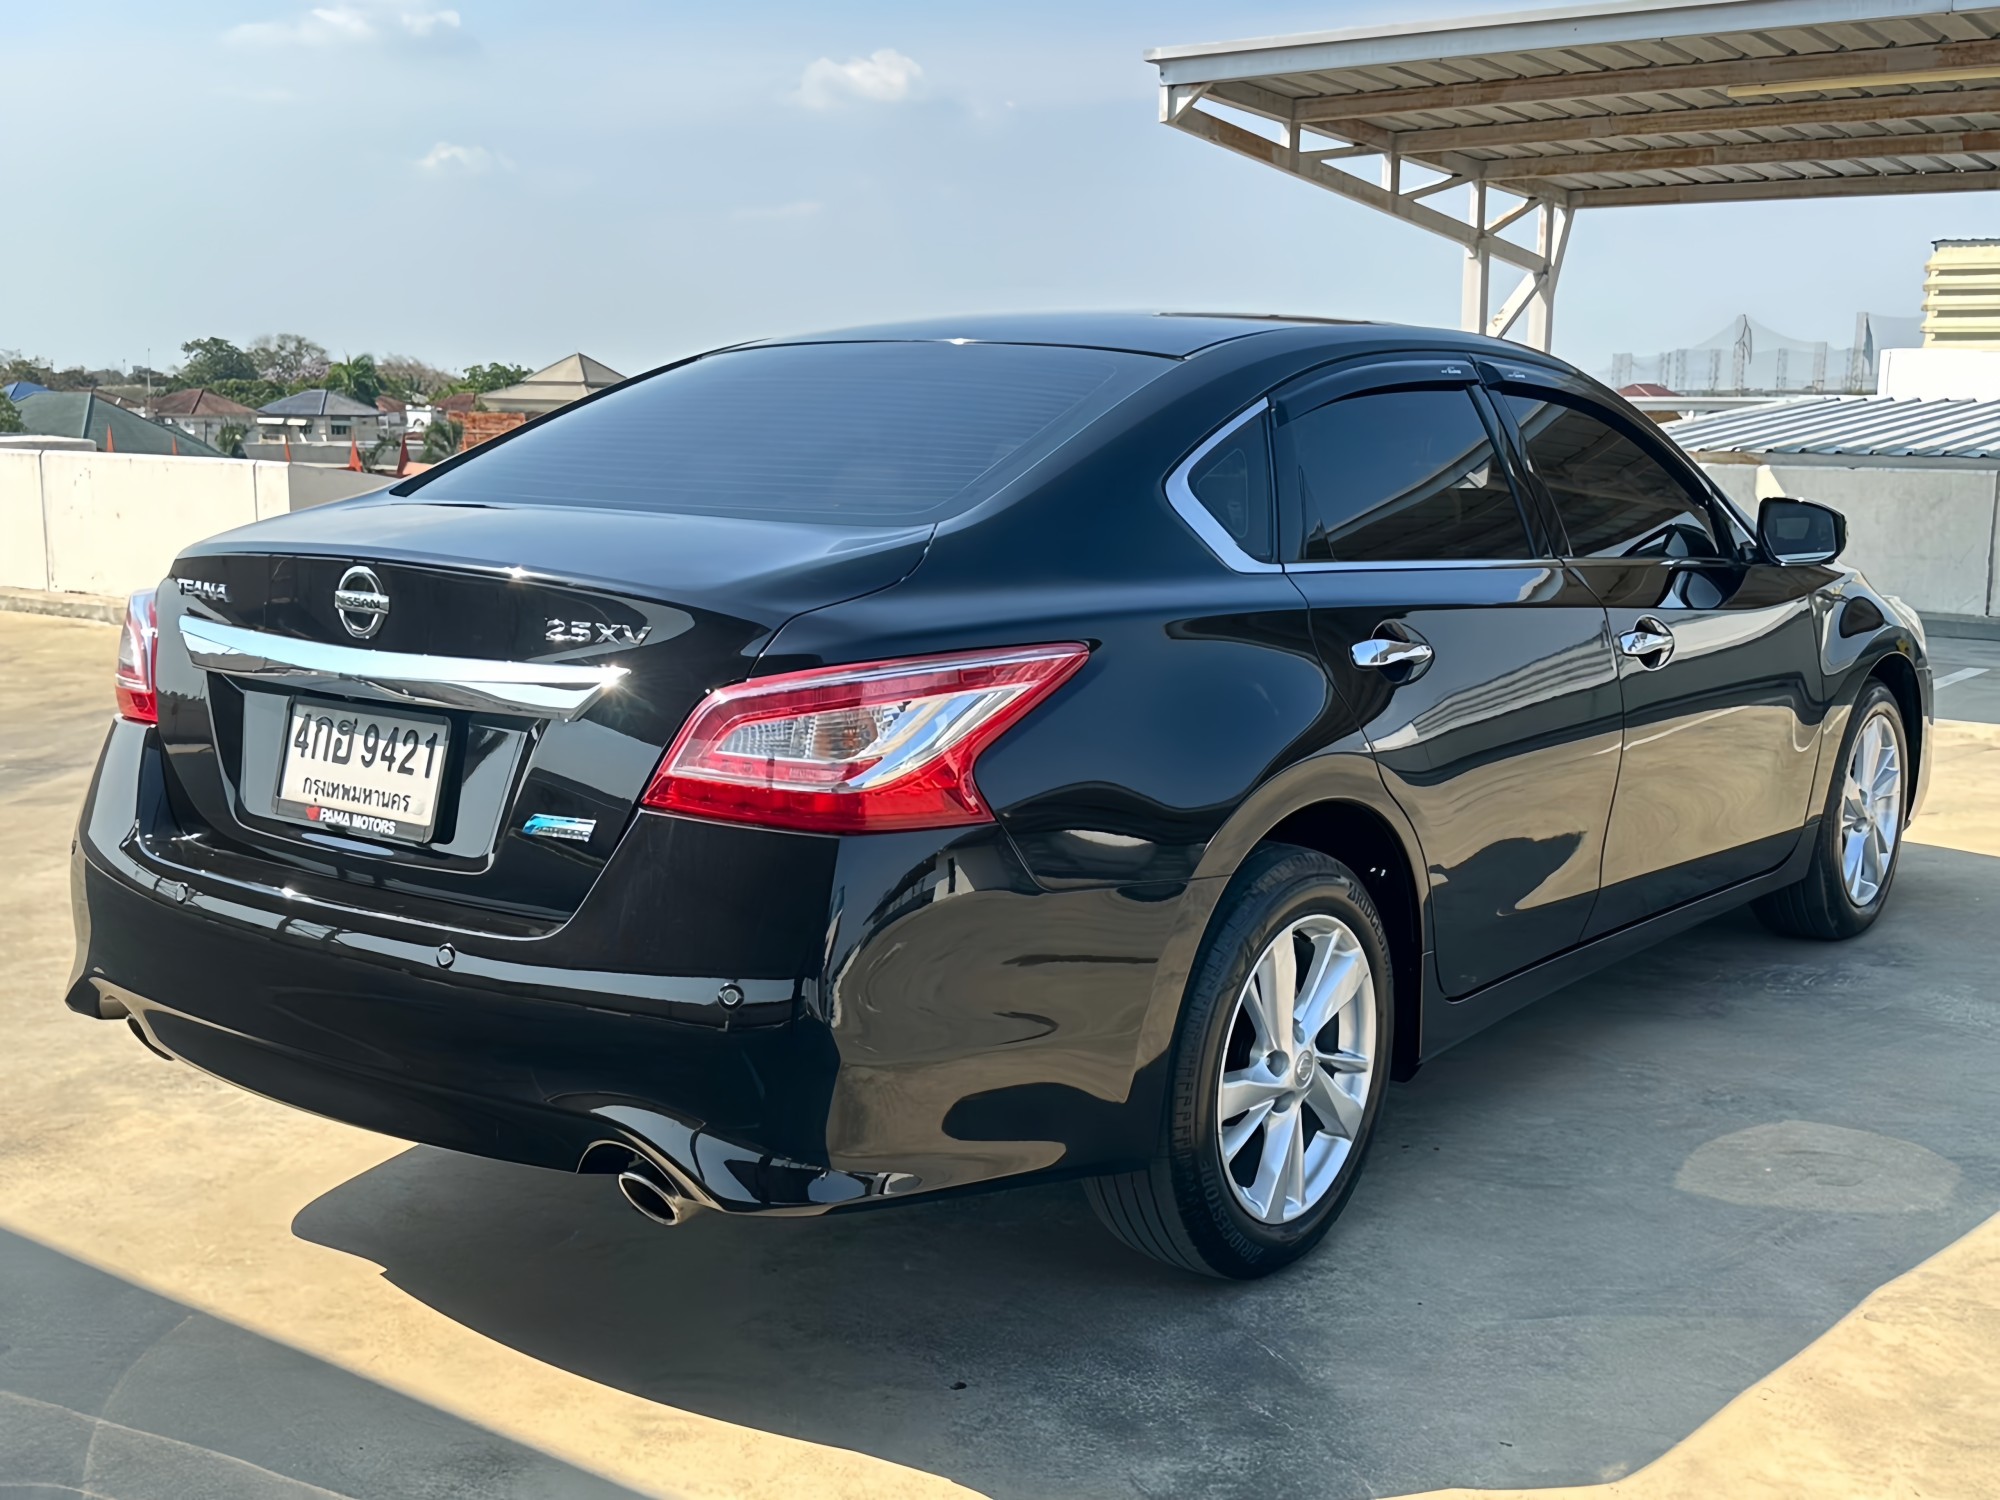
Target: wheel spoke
<point>1335,982</point>
<point>1281,1130</point>
<point>1338,1110</point>
<point>1292,1186</point>
<point>1343,1062</point>
<point>1235,1135</point>
<point>1247,1088</point>
<point>1850,860</point>
<point>1888,775</point>
<point>1274,988</point>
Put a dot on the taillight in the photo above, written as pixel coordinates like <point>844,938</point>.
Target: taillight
<point>138,656</point>
<point>856,749</point>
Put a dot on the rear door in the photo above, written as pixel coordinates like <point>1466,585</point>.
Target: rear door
<point>1715,652</point>
<point>1480,667</point>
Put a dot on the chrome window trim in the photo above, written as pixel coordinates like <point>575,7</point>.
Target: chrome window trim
<point>1192,511</point>
<point>552,690</point>
<point>1401,563</point>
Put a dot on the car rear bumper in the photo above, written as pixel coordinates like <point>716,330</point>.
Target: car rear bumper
<point>370,1040</point>
<point>923,1042</point>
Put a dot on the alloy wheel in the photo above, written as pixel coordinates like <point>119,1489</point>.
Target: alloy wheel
<point>1871,810</point>
<point>1298,1062</point>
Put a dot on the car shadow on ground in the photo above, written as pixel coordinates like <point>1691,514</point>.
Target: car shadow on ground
<point>114,1392</point>
<point>1578,1236</point>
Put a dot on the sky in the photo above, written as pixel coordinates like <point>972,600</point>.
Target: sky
<point>512,180</point>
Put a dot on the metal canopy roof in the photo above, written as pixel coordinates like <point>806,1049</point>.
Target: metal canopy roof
<point>1876,427</point>
<point>1657,101</point>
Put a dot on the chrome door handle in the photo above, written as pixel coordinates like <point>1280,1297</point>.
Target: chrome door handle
<point>1378,651</point>
<point>1649,641</point>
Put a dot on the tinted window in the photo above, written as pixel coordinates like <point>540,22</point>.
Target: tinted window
<point>865,434</point>
<point>1615,499</point>
<point>1399,475</point>
<point>1233,483</point>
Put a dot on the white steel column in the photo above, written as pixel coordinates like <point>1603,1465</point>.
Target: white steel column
<point>1476,288</point>
<point>1552,225</point>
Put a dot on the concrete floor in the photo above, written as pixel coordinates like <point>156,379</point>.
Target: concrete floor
<point>1581,1236</point>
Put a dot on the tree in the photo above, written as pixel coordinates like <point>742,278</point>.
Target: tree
<point>14,365</point>
<point>413,380</point>
<point>211,360</point>
<point>290,359</point>
<point>484,378</point>
<point>356,377</point>
<point>441,440</point>
<point>10,415</point>
<point>229,441</point>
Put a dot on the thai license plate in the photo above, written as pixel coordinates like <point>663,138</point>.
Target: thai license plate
<point>357,771</point>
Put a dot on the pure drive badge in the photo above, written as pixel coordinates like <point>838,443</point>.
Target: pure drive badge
<point>547,826</point>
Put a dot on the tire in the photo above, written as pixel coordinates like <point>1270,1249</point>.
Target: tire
<point>1829,903</point>
<point>1191,1207</point>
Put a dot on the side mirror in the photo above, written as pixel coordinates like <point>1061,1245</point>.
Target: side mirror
<point>1798,531</point>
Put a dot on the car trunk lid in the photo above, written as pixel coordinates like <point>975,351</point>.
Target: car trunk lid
<point>403,608</point>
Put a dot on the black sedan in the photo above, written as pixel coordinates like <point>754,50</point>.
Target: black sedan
<point>839,769</point>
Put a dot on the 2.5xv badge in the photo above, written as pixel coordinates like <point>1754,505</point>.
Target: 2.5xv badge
<point>589,632</point>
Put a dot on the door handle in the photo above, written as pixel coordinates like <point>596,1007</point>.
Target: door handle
<point>1649,641</point>
<point>1379,651</point>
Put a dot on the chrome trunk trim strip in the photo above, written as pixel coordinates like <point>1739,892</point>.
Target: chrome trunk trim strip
<point>541,690</point>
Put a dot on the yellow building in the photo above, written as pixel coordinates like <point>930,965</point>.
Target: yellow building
<point>1962,295</point>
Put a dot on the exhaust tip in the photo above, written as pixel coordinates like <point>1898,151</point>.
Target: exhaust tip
<point>650,1198</point>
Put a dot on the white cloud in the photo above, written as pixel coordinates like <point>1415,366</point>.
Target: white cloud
<point>341,25</point>
<point>423,23</point>
<point>883,77</point>
<point>474,161</point>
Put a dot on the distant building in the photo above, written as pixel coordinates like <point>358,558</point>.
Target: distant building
<point>564,381</point>
<point>203,413</point>
<point>1962,295</point>
<point>85,414</point>
<point>319,417</point>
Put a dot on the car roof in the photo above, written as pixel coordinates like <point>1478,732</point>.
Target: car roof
<point>1170,334</point>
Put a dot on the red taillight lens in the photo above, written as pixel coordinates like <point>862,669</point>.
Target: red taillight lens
<point>138,654</point>
<point>860,749</point>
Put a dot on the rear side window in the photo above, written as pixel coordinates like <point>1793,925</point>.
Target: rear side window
<point>1398,476</point>
<point>861,434</point>
<point>1233,483</point>
<point>1615,499</point>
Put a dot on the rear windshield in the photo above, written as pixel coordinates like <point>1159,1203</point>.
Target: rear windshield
<point>865,434</point>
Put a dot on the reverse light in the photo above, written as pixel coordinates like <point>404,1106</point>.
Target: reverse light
<point>856,749</point>
<point>138,657</point>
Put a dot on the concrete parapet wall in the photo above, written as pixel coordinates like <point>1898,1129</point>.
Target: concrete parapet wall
<point>1931,536</point>
<point>108,523</point>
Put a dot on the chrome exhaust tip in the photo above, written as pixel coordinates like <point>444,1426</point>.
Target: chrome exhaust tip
<point>656,1202</point>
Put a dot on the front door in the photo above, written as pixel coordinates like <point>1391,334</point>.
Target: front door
<point>1480,667</point>
<point>1716,652</point>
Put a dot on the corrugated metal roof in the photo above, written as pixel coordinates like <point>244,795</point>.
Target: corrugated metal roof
<point>317,403</point>
<point>1619,104</point>
<point>86,414</point>
<point>1852,426</point>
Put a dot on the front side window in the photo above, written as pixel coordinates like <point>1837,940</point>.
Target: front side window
<point>862,434</point>
<point>1233,483</point>
<point>1394,476</point>
<point>1615,499</point>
